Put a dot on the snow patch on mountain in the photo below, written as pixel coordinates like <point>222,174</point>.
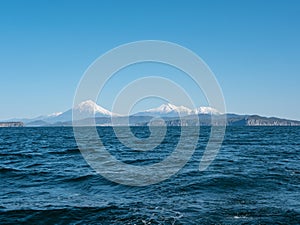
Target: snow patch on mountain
<point>54,114</point>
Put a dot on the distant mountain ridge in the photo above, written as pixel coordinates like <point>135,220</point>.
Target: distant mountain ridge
<point>88,110</point>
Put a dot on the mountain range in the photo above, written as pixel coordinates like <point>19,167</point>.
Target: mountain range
<point>88,110</point>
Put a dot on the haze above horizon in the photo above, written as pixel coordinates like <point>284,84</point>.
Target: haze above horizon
<point>251,46</point>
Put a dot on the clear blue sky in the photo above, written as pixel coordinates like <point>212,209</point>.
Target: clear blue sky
<point>252,47</point>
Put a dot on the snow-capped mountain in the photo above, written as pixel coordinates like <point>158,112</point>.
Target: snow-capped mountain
<point>86,109</point>
<point>170,110</point>
<point>89,109</point>
<point>205,110</point>
<point>166,110</point>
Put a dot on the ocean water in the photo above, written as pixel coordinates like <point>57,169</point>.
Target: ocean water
<point>255,179</point>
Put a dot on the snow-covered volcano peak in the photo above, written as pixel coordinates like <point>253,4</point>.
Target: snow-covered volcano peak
<point>205,110</point>
<point>91,107</point>
<point>170,110</point>
<point>166,109</point>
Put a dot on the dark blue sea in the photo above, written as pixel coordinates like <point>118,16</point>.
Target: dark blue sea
<point>255,179</point>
